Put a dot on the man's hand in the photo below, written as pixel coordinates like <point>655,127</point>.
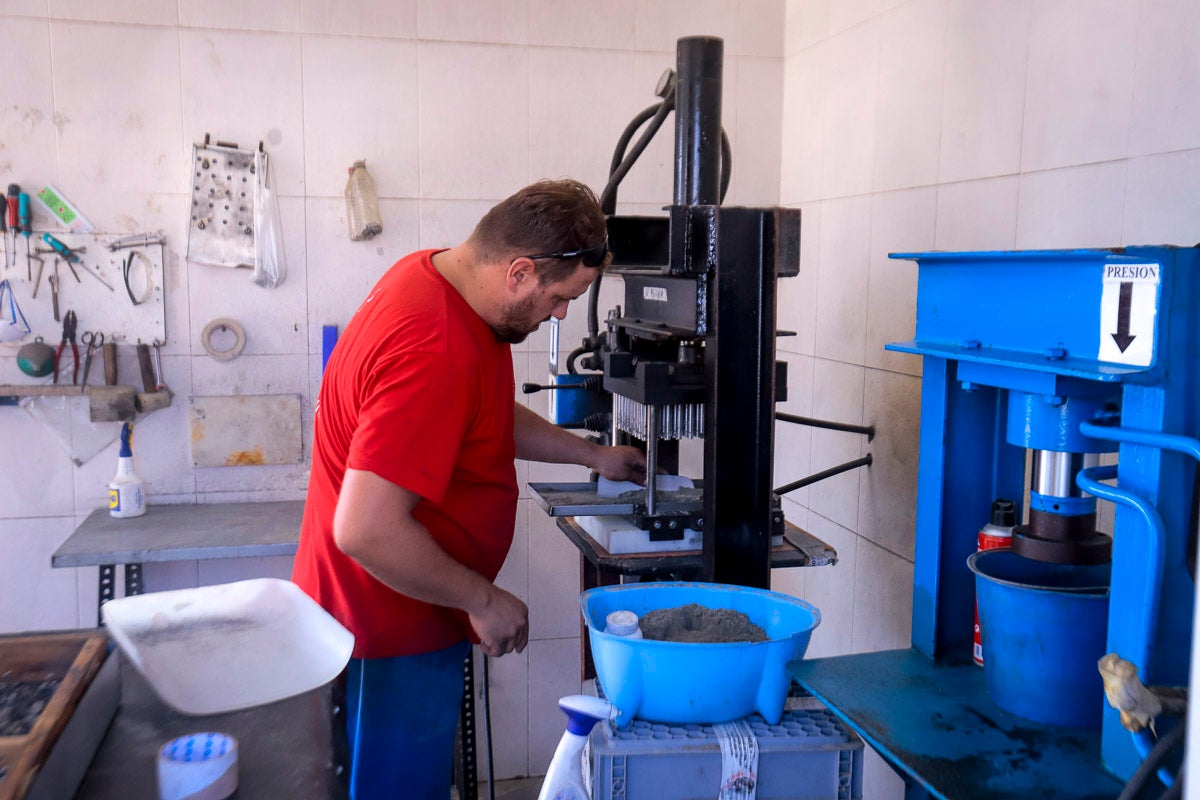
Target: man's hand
<point>621,463</point>
<point>502,623</point>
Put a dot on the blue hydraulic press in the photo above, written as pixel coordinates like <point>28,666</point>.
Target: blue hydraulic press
<point>1036,363</point>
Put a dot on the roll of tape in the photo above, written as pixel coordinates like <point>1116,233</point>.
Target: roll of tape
<point>224,324</point>
<point>198,766</point>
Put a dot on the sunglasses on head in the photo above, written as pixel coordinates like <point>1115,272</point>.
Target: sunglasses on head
<point>590,256</point>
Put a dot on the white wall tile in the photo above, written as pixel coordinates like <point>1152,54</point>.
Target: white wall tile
<point>553,673</point>
<point>880,782</point>
<point>883,605</point>
<point>1074,207</point>
<point>36,596</point>
<point>842,275</point>
<point>514,574</point>
<point>445,223</point>
<point>460,87</point>
<point>760,28</point>
<point>266,15</point>
<point>1159,208</point>
<point>344,119</point>
<point>888,500</point>
<point>508,682</point>
<point>153,12</point>
<point>806,90</point>
<point>911,58</point>
<point>851,111</point>
<point>1165,72</point>
<point>24,8</point>
<point>756,133</point>
<point>501,21</point>
<point>246,88</point>
<point>833,590</point>
<point>987,46</point>
<point>1078,49</point>
<point>977,215</point>
<point>141,123</point>
<point>806,23</point>
<point>845,14</point>
<point>607,25</point>
<point>27,117</point>
<point>576,98</point>
<point>342,272</point>
<point>386,18</point>
<point>660,23</point>
<point>838,396</point>
<point>900,222</point>
<point>554,579</point>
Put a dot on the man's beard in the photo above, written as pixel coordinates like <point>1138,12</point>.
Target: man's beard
<point>513,327</point>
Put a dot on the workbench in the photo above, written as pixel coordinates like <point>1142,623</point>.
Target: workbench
<point>285,749</point>
<point>178,533</point>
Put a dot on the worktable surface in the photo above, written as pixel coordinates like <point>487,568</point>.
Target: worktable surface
<point>284,748</point>
<point>184,533</point>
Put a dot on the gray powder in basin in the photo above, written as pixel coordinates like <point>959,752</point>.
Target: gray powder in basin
<point>697,623</point>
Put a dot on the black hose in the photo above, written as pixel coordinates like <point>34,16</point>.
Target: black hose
<point>608,198</point>
<point>623,142</point>
<point>1153,760</point>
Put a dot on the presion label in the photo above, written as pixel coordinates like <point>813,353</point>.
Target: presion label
<point>1128,311</point>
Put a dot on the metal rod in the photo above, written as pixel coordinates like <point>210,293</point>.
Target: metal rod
<point>699,62</point>
<point>651,459</point>
<point>865,461</point>
<point>868,430</point>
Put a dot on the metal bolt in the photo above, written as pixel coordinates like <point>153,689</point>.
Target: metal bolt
<point>1056,353</point>
<point>967,386</point>
<point>1055,400</point>
<point>971,344</point>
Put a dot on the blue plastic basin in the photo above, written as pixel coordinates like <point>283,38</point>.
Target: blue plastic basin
<point>690,682</point>
<point>1043,628</point>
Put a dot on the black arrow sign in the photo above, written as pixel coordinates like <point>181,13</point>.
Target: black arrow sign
<point>1122,337</point>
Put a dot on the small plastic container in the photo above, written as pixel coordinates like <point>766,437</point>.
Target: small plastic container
<point>623,623</point>
<point>362,203</point>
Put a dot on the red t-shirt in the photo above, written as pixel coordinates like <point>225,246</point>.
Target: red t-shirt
<point>419,392</point>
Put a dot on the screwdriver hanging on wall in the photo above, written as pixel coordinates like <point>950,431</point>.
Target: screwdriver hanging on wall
<point>26,229</point>
<point>14,221</point>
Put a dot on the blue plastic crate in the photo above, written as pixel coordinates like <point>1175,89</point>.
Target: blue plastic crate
<point>809,755</point>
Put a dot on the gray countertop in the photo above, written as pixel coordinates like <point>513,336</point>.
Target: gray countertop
<point>184,533</point>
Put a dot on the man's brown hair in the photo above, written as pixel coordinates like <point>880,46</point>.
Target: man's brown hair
<point>549,216</point>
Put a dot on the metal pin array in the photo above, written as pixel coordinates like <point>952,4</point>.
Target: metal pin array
<point>675,421</point>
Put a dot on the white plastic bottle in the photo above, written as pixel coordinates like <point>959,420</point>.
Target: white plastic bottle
<point>623,623</point>
<point>564,778</point>
<point>126,491</point>
<point>362,203</point>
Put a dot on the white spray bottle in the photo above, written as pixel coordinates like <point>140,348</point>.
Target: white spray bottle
<point>564,778</point>
<point>126,492</point>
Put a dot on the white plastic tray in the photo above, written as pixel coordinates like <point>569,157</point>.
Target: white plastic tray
<point>236,645</point>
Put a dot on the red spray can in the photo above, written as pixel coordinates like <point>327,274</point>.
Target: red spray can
<point>997,533</point>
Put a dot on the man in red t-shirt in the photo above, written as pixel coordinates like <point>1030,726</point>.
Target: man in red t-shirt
<point>412,498</point>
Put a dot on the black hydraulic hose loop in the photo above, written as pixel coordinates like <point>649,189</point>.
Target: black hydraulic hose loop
<point>626,137</point>
<point>1154,760</point>
<point>726,164</point>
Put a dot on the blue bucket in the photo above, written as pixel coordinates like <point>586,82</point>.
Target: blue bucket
<point>686,682</point>
<point>1043,628</point>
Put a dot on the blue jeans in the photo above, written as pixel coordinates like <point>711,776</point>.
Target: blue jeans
<point>401,717</point>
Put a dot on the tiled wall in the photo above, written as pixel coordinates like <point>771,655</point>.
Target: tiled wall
<point>454,104</point>
<point>950,124</point>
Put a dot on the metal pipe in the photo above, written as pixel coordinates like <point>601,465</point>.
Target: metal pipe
<point>1164,441</point>
<point>1054,472</point>
<point>699,62</point>
<point>651,459</point>
<point>865,461</point>
<point>867,430</point>
<point>1151,550</point>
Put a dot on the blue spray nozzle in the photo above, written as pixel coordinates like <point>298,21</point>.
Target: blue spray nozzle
<point>584,711</point>
<point>126,437</point>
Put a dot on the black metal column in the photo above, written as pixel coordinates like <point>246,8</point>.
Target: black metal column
<point>740,400</point>
<point>698,61</point>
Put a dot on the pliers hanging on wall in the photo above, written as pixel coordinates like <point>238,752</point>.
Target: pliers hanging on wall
<point>68,335</point>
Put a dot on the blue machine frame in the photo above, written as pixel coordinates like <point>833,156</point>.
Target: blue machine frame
<point>1084,351</point>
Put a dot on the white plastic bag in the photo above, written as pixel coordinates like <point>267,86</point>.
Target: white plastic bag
<point>12,321</point>
<point>270,267</point>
